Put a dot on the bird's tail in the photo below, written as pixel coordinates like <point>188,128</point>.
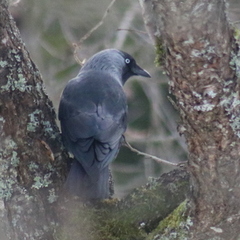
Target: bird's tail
<point>79,183</point>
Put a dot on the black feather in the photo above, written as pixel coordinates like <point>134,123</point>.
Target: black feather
<point>93,116</point>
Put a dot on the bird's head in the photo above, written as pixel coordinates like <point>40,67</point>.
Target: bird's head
<point>117,63</point>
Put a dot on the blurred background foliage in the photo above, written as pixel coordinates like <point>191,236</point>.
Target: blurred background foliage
<point>49,29</point>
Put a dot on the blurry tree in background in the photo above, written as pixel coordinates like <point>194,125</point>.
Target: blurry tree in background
<point>49,28</point>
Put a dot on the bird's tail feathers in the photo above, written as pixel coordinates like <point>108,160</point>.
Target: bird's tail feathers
<point>81,184</point>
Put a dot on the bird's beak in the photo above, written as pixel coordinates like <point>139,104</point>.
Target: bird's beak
<point>140,72</point>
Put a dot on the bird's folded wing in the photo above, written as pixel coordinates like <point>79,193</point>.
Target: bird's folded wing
<point>93,140</point>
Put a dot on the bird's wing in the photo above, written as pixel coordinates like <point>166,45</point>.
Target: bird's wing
<point>93,119</point>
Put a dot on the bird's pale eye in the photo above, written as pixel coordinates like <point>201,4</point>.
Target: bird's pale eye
<point>127,61</point>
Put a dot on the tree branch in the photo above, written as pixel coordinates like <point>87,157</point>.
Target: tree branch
<point>77,45</point>
<point>159,160</point>
<point>131,218</point>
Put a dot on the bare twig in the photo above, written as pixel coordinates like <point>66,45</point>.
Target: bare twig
<point>132,30</point>
<point>77,45</point>
<point>150,156</point>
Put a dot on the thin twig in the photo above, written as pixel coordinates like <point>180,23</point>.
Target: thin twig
<point>77,45</point>
<point>151,156</point>
<point>132,30</point>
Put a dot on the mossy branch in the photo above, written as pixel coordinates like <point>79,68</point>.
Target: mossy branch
<point>134,217</point>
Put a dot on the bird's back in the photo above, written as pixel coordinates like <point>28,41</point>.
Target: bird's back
<point>92,112</point>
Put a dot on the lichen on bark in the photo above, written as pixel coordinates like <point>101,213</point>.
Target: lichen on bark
<point>31,154</point>
<point>201,62</point>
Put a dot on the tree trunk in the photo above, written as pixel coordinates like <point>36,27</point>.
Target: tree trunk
<point>197,48</point>
<point>31,154</point>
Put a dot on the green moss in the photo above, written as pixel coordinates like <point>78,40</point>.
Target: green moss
<point>131,219</point>
<point>160,53</point>
<point>100,223</point>
<point>174,226</point>
<point>235,55</point>
<point>236,34</point>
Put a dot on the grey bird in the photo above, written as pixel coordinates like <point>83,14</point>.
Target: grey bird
<point>93,117</point>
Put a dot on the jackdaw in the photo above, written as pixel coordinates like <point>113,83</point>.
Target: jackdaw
<point>93,117</point>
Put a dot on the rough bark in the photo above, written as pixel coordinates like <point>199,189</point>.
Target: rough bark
<point>31,154</point>
<point>198,52</point>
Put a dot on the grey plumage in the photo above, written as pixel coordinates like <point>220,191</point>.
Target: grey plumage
<point>93,116</point>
